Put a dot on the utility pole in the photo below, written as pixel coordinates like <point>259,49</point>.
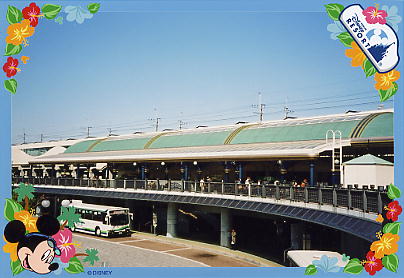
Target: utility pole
<point>109,131</point>
<point>41,137</point>
<point>24,135</point>
<point>88,131</point>
<point>260,107</point>
<point>181,124</point>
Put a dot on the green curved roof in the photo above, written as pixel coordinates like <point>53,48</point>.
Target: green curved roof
<point>380,126</point>
<point>81,147</point>
<point>293,132</point>
<point>351,126</point>
<point>121,145</point>
<point>191,140</point>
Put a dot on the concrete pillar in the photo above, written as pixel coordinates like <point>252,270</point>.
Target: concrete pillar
<point>225,227</point>
<point>240,172</point>
<point>226,172</point>
<point>312,174</point>
<point>172,220</point>
<point>296,236</point>
<point>142,172</point>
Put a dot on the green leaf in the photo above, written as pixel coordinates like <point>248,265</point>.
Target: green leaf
<point>333,10</point>
<point>50,11</point>
<point>75,266</point>
<point>93,7</point>
<point>354,266</point>
<point>393,192</point>
<point>16,267</point>
<point>10,208</point>
<point>392,228</point>
<point>92,256</point>
<point>14,15</point>
<point>11,85</point>
<point>368,68</point>
<point>345,38</point>
<point>386,94</point>
<point>310,270</point>
<point>390,262</point>
<point>12,49</point>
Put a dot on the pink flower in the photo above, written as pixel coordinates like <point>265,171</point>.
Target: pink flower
<point>64,242</point>
<point>374,15</point>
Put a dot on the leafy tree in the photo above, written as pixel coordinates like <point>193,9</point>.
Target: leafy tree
<point>91,256</point>
<point>24,192</point>
<point>68,215</point>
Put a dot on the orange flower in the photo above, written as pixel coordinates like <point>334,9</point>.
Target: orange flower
<point>356,54</point>
<point>387,245</point>
<point>11,248</point>
<point>379,218</point>
<point>385,80</point>
<point>18,32</point>
<point>24,59</point>
<point>28,220</point>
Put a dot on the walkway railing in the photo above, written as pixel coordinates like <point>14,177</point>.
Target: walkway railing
<point>367,200</point>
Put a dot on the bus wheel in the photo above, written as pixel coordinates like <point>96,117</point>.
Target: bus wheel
<point>98,231</point>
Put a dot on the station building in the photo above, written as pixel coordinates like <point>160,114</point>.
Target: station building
<point>284,151</point>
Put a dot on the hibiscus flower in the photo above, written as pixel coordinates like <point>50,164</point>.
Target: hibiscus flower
<point>11,248</point>
<point>28,220</point>
<point>64,242</point>
<point>374,15</point>
<point>10,67</point>
<point>18,32</point>
<point>385,80</point>
<point>32,13</point>
<point>356,54</point>
<point>393,210</point>
<point>372,264</point>
<point>386,245</point>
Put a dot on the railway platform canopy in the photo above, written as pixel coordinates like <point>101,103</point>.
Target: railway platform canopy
<point>291,149</point>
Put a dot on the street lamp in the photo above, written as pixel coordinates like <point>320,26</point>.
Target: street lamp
<point>45,203</point>
<point>163,163</point>
<point>195,163</point>
<point>65,203</point>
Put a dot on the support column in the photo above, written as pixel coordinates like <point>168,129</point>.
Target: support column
<point>226,172</point>
<point>296,236</point>
<point>312,174</point>
<point>225,227</point>
<point>240,171</point>
<point>142,173</point>
<point>171,220</point>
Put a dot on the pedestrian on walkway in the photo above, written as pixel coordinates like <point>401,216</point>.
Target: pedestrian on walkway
<point>233,239</point>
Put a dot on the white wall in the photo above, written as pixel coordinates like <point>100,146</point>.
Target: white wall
<point>368,174</point>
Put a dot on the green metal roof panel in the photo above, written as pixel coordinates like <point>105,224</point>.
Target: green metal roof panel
<point>80,147</point>
<point>191,140</point>
<point>120,145</point>
<point>380,126</point>
<point>293,132</point>
<point>368,159</point>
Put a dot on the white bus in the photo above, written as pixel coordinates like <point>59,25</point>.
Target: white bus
<point>102,220</point>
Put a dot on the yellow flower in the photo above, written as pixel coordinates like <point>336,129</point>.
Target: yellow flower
<point>387,245</point>
<point>385,80</point>
<point>11,248</point>
<point>379,218</point>
<point>28,220</point>
<point>18,32</point>
<point>356,54</point>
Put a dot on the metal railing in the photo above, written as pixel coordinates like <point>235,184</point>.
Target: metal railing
<point>367,200</point>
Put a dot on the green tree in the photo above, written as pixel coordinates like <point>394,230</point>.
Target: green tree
<point>91,256</point>
<point>24,192</point>
<point>68,215</point>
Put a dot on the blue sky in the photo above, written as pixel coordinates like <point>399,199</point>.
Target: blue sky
<point>198,61</point>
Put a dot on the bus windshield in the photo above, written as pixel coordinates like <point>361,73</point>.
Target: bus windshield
<point>119,219</point>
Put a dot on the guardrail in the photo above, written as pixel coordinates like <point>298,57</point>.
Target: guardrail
<point>367,200</point>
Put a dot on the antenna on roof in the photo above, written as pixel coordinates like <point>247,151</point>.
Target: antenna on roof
<point>181,123</point>
<point>157,119</point>
<point>260,107</point>
<point>286,110</point>
<point>88,131</point>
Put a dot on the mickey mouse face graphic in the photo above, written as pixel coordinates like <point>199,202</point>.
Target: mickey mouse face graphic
<point>35,251</point>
